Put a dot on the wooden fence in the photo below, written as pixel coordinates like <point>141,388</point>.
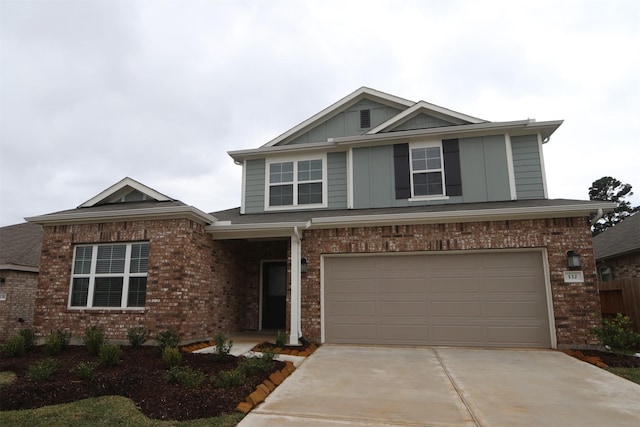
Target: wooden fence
<point>621,296</point>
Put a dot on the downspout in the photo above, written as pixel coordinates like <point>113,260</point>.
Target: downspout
<point>599,215</point>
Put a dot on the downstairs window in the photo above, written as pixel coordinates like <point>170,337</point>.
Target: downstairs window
<point>109,276</point>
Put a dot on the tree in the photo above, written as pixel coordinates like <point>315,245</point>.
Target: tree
<point>611,190</point>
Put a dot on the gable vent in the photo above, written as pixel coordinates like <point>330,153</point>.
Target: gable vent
<point>365,119</point>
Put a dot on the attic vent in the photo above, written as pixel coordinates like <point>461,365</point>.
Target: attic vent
<point>365,119</point>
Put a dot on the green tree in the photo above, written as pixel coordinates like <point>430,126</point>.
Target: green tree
<point>611,190</point>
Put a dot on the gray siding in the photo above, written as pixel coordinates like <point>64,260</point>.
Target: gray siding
<point>337,180</point>
<point>527,167</point>
<point>483,164</point>
<point>422,121</point>
<point>347,123</point>
<point>373,182</point>
<point>254,191</point>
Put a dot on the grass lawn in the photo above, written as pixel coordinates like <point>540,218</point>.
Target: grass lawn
<point>102,411</point>
<point>632,374</point>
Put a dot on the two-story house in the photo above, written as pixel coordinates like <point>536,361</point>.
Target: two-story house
<point>378,220</point>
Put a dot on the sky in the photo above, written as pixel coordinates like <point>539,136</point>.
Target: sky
<point>94,91</point>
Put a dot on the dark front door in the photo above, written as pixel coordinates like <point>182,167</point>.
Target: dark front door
<point>274,295</point>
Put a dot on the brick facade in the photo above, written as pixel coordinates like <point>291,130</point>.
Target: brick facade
<point>576,306</point>
<point>192,283</point>
<point>624,266</point>
<point>16,311</point>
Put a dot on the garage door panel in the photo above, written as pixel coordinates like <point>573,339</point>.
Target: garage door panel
<point>480,299</point>
<point>403,309</point>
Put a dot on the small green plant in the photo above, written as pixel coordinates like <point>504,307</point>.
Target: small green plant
<point>137,336</point>
<point>171,356</point>
<point>617,334</point>
<point>190,378</point>
<point>226,379</point>
<point>110,354</point>
<point>29,338</point>
<point>42,370</point>
<point>85,370</point>
<point>166,339</point>
<point>14,346</point>
<point>281,338</point>
<point>57,341</point>
<point>253,365</point>
<point>223,347</point>
<point>93,339</point>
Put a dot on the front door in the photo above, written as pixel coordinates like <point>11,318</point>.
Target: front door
<point>274,295</point>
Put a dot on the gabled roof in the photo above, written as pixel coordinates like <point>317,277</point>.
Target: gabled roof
<point>339,106</point>
<point>119,191</point>
<point>127,200</point>
<point>423,107</point>
<point>20,247</point>
<point>621,239</point>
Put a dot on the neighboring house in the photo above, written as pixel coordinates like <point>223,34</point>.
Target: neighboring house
<point>617,250</point>
<point>19,262</point>
<point>378,221</point>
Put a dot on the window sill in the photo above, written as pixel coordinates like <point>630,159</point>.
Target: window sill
<point>294,207</point>
<point>110,310</point>
<point>426,198</point>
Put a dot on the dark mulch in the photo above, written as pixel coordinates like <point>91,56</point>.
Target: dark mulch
<point>614,360</point>
<point>140,376</point>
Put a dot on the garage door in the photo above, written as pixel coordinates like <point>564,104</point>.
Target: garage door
<point>480,299</point>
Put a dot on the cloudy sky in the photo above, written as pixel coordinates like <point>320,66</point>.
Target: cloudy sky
<point>93,91</point>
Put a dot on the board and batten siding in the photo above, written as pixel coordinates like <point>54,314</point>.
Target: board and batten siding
<point>527,167</point>
<point>422,121</point>
<point>337,180</point>
<point>347,123</point>
<point>484,169</point>
<point>254,186</point>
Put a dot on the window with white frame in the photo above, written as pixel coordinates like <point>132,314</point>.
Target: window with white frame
<point>110,275</point>
<point>295,183</point>
<point>427,170</point>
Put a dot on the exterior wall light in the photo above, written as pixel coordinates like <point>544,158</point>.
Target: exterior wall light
<point>303,265</point>
<point>573,260</point>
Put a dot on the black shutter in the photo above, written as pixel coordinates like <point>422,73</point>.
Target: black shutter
<point>451,153</point>
<point>401,171</point>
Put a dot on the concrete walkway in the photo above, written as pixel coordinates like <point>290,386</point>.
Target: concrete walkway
<point>427,386</point>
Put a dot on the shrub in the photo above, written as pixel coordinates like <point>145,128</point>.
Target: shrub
<point>29,338</point>
<point>227,379</point>
<point>93,339</point>
<point>190,378</point>
<point>252,365</point>
<point>137,336</point>
<point>42,370</point>
<point>281,338</point>
<point>57,341</point>
<point>171,356</point>
<point>166,339</point>
<point>85,370</point>
<point>110,354</point>
<point>617,334</point>
<point>223,347</point>
<point>14,346</point>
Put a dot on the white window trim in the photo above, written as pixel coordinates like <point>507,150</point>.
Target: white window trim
<point>93,275</point>
<point>295,160</point>
<point>425,144</point>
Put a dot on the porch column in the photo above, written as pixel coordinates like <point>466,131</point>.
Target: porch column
<point>295,289</point>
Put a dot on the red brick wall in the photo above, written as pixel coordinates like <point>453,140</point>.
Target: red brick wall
<point>576,306</point>
<point>623,267</point>
<point>191,285</point>
<point>19,287</point>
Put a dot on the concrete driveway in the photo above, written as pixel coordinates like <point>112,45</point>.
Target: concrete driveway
<point>438,386</point>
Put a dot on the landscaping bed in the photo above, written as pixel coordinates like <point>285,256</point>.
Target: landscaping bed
<point>140,375</point>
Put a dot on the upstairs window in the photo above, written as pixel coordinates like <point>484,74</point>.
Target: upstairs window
<point>296,183</point>
<point>109,276</point>
<point>427,171</point>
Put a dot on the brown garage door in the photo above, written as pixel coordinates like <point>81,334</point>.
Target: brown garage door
<point>480,299</point>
